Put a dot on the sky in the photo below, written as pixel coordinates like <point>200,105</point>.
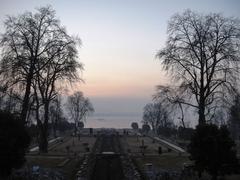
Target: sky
<point>120,39</point>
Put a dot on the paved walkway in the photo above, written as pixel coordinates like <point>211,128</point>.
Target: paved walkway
<point>170,145</point>
<point>49,142</point>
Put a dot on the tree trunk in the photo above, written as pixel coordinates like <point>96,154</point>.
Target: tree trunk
<point>43,143</point>
<point>201,119</point>
<point>201,111</point>
<point>54,130</point>
<point>182,118</point>
<point>75,130</point>
<point>201,105</point>
<point>27,95</point>
<point>43,140</point>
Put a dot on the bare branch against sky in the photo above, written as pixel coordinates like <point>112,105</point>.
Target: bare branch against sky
<point>120,40</point>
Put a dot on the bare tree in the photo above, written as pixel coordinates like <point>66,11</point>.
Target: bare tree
<point>134,126</point>
<point>62,66</point>
<point>202,53</point>
<point>26,43</point>
<point>146,128</point>
<point>171,100</point>
<point>156,116</point>
<point>38,54</point>
<point>79,107</point>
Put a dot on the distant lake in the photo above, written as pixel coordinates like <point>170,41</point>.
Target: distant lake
<point>112,121</point>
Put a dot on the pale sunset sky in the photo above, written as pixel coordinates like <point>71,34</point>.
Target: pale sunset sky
<point>120,39</point>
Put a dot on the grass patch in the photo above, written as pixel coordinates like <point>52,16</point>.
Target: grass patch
<point>167,161</point>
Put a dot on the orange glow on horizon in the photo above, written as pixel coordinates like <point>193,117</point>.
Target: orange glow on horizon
<point>120,86</point>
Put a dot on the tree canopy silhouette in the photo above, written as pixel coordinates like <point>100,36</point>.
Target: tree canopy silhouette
<point>146,128</point>
<point>38,55</point>
<point>156,115</point>
<point>32,42</point>
<point>202,54</point>
<point>134,126</point>
<point>79,107</point>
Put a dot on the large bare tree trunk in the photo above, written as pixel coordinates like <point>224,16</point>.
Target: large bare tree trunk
<point>43,129</point>
<point>43,140</point>
<point>27,95</point>
<point>201,115</point>
<point>201,110</point>
<point>43,143</point>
